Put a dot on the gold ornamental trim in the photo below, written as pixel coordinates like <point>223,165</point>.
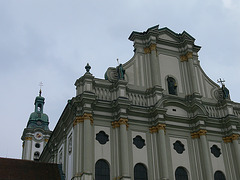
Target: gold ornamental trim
<point>115,124</point>
<point>228,139</point>
<point>155,129</point>
<point>152,47</point>
<point>121,121</point>
<point>28,138</point>
<point>46,140</point>
<point>201,132</point>
<point>80,119</point>
<point>147,50</point>
<point>185,57</point>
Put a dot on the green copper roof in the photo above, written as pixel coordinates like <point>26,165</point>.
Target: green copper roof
<point>38,119</point>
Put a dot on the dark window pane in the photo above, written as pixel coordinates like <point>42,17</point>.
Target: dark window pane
<point>218,175</point>
<point>140,172</point>
<point>216,151</point>
<point>181,174</point>
<point>139,142</point>
<point>179,147</point>
<point>102,171</point>
<point>102,137</point>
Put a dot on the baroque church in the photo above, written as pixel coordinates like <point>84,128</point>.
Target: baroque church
<point>156,117</point>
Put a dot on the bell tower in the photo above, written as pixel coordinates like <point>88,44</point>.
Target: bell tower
<point>36,134</point>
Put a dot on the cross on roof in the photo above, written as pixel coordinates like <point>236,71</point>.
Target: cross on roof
<point>41,85</point>
<point>221,81</point>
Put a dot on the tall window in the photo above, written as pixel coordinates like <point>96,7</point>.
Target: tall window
<point>102,171</point>
<point>140,172</point>
<point>181,174</point>
<point>172,86</point>
<point>218,175</point>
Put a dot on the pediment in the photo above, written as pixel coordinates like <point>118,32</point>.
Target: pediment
<point>166,37</point>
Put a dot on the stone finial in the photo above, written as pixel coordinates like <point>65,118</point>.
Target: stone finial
<point>87,67</point>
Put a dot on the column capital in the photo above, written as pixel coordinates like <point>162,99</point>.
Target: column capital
<point>228,139</point>
<point>28,138</point>
<point>185,57</point>
<point>121,121</point>
<point>158,127</point>
<point>152,47</point>
<point>80,119</point>
<point>201,132</point>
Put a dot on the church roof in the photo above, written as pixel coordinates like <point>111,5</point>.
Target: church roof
<point>11,169</point>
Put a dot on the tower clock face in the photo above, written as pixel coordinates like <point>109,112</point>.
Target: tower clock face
<point>38,135</point>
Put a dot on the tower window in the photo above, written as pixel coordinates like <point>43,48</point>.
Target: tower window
<point>172,86</point>
<point>36,156</point>
<point>37,145</point>
<point>102,171</point>
<point>39,107</point>
<point>140,172</point>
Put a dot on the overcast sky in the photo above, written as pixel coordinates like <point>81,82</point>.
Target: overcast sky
<point>52,41</point>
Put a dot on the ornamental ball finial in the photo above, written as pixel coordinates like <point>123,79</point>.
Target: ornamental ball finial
<point>87,67</point>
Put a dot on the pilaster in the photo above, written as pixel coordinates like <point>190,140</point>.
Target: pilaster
<point>83,147</point>
<point>161,129</point>
<point>234,140</point>
<point>207,164</point>
<point>152,50</point>
<point>122,124</point>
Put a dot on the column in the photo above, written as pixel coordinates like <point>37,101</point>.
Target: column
<point>87,147</point>
<point>28,148</point>
<point>77,130</point>
<point>116,171</point>
<point>155,158</point>
<point>154,64</point>
<point>234,139</point>
<point>207,164</point>
<point>125,175</point>
<point>162,151</point>
<point>188,57</point>
<point>236,149</point>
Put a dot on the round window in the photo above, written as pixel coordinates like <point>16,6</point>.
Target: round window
<point>37,145</point>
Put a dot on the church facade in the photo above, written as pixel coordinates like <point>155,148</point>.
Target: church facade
<point>156,117</point>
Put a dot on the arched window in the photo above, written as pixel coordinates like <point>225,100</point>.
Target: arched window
<point>172,86</point>
<point>102,171</point>
<point>36,156</point>
<point>39,107</point>
<point>181,174</point>
<point>140,172</point>
<point>218,175</point>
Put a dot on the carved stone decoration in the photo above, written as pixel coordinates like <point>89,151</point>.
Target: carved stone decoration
<point>216,151</point>
<point>114,74</point>
<point>139,142</point>
<point>111,75</point>
<point>178,147</point>
<point>102,137</point>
